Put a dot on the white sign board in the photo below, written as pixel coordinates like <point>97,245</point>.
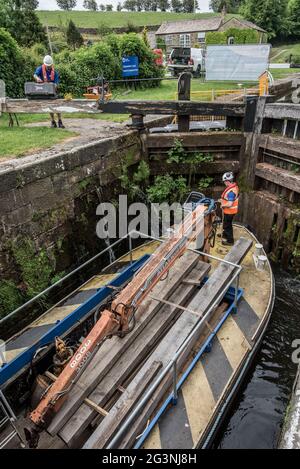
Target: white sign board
<point>237,62</point>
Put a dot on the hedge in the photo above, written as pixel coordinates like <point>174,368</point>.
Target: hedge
<point>79,69</point>
<point>16,66</point>
<point>241,36</point>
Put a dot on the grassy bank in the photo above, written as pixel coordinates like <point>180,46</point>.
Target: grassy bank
<point>281,54</point>
<point>284,72</point>
<point>115,19</point>
<point>17,141</point>
<point>168,89</point>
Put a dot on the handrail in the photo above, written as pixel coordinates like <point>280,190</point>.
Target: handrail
<point>32,300</point>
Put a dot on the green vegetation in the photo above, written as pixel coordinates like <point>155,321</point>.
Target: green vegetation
<point>11,60</point>
<point>204,183</point>
<point>283,53</point>
<point>284,72</point>
<point>79,68</point>
<point>241,36</point>
<point>114,19</point>
<point>10,297</point>
<point>177,155</point>
<point>134,184</point>
<point>168,90</point>
<point>20,20</point>
<point>36,269</point>
<point>17,141</point>
<point>73,36</point>
<point>271,15</point>
<point>167,189</point>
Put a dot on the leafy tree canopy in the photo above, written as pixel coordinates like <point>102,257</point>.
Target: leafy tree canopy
<point>66,4</point>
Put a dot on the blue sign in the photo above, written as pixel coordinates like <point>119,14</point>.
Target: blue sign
<point>130,66</point>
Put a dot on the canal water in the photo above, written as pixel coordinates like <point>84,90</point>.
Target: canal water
<point>256,418</point>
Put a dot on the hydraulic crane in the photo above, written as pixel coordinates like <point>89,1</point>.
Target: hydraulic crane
<point>116,320</point>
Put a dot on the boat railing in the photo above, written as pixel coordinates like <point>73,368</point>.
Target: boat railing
<point>172,365</point>
<point>67,276</point>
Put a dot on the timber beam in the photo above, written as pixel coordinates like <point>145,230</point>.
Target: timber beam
<point>44,106</point>
<point>282,111</point>
<point>279,176</point>
<point>281,145</point>
<point>194,108</point>
<point>195,139</point>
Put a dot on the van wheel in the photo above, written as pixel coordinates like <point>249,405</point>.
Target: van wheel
<point>197,73</point>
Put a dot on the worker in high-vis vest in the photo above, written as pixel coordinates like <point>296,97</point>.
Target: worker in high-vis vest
<point>229,204</point>
<point>47,74</point>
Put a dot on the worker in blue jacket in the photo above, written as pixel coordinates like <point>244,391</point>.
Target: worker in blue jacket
<point>47,74</point>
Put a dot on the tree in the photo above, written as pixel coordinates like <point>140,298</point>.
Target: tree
<point>73,36</point>
<point>5,14</point>
<point>145,37</point>
<point>20,19</point>
<point>90,5</point>
<point>154,5</point>
<point>294,17</point>
<point>30,4</point>
<point>66,4</point>
<point>163,5</point>
<point>147,5</point>
<point>12,59</point>
<point>270,15</point>
<point>232,6</point>
<point>176,6</point>
<point>130,5</point>
<point>119,6</point>
<point>102,7</point>
<point>109,7</point>
<point>189,6</point>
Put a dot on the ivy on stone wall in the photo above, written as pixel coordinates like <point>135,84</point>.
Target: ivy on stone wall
<point>35,267</point>
<point>241,36</point>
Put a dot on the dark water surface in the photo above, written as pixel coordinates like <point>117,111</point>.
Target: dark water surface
<point>256,418</point>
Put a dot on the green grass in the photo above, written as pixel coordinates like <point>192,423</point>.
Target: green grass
<point>167,89</point>
<point>281,54</point>
<point>17,141</point>
<point>25,119</point>
<point>284,72</point>
<point>115,19</point>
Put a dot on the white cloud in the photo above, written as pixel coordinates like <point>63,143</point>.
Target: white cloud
<point>52,5</point>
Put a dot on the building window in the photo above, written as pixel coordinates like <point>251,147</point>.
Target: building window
<point>230,40</point>
<point>201,38</point>
<point>169,39</point>
<point>185,40</point>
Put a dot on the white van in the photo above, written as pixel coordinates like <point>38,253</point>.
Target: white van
<point>186,59</point>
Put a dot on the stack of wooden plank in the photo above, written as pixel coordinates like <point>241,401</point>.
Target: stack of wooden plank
<point>123,369</point>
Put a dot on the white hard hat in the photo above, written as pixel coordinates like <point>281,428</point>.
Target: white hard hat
<point>48,60</point>
<point>228,176</point>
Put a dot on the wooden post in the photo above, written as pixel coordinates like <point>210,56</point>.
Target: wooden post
<point>253,123</point>
<point>251,104</point>
<point>184,94</point>
<point>138,121</point>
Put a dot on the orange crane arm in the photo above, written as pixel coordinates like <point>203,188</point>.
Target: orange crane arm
<point>118,318</point>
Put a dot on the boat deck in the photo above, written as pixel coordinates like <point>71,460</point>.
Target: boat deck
<point>24,339</point>
<point>186,424</point>
<point>117,370</point>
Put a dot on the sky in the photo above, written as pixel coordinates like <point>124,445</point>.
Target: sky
<point>52,5</point>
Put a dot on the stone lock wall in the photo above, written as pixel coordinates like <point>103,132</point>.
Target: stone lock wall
<point>53,201</point>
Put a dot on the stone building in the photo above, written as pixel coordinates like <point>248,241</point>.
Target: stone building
<point>191,33</point>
